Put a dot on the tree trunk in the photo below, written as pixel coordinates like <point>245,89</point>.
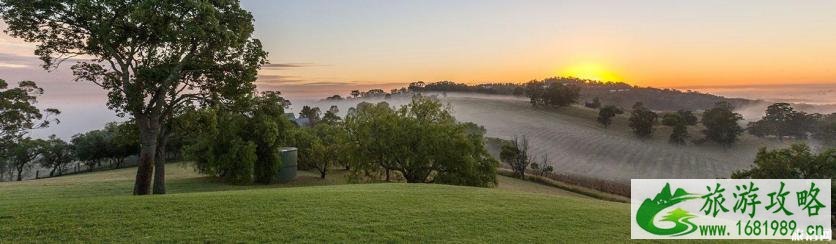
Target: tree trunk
<point>387,175</point>
<point>52,172</point>
<point>159,164</point>
<point>149,130</point>
<point>19,174</point>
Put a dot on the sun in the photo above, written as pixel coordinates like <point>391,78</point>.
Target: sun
<point>590,71</point>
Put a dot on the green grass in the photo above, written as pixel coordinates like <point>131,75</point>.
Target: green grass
<point>97,207</point>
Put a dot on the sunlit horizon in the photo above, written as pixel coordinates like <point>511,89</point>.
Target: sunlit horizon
<point>772,50</point>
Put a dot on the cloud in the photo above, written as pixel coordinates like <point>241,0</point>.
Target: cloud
<point>289,65</point>
<point>278,79</point>
<point>759,86</point>
<point>12,66</point>
<point>329,83</point>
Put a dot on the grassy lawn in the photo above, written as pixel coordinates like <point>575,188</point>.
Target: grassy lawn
<point>97,207</point>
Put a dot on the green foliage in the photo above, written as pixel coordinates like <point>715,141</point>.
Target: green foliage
<point>781,120</point>
<point>23,153</point>
<point>145,54</point>
<point>421,141</point>
<point>552,93</point>
<point>324,146</point>
<point>680,132</point>
<point>18,113</point>
<point>268,130</point>
<point>370,127</point>
<point>123,141</point>
<point>721,124</point>
<point>55,155</point>
<point>679,125</point>
<point>115,142</point>
<point>606,114</point>
<point>92,147</point>
<point>642,121</point>
<point>240,146</point>
<point>796,162</point>
<point>220,150</point>
<point>826,130</point>
<point>312,114</point>
<point>331,116</point>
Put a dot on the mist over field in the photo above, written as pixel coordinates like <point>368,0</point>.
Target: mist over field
<point>577,145</point>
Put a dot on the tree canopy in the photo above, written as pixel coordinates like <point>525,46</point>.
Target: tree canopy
<point>606,114</point>
<point>679,121</point>
<point>721,124</point>
<point>796,162</point>
<point>642,121</point>
<point>552,93</point>
<point>151,56</point>
<point>18,113</point>
<point>422,142</point>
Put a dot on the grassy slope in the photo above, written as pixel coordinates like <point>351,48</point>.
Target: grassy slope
<point>97,207</point>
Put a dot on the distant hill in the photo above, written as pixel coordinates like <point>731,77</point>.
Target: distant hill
<point>615,93</point>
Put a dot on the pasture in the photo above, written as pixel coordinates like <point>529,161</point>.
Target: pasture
<point>98,207</point>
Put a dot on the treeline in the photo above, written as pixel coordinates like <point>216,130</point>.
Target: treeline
<point>721,123</point>
<point>96,149</point>
<point>615,93</point>
<point>419,142</point>
<point>782,121</point>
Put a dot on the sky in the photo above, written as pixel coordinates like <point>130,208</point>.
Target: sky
<point>649,43</point>
<point>324,47</point>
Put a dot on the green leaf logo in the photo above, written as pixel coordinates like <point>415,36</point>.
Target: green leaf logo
<point>665,199</point>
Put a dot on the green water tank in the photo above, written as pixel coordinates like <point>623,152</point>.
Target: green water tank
<point>288,170</point>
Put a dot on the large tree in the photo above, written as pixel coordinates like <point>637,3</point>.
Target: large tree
<point>721,124</point>
<point>606,114</point>
<point>369,126</point>
<point>679,122</point>
<point>329,147</point>
<point>642,121</point>
<point>152,56</point>
<point>92,147</point>
<point>421,142</point>
<point>781,120</point>
<point>23,153</point>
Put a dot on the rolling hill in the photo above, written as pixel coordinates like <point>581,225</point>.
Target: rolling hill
<point>97,207</point>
